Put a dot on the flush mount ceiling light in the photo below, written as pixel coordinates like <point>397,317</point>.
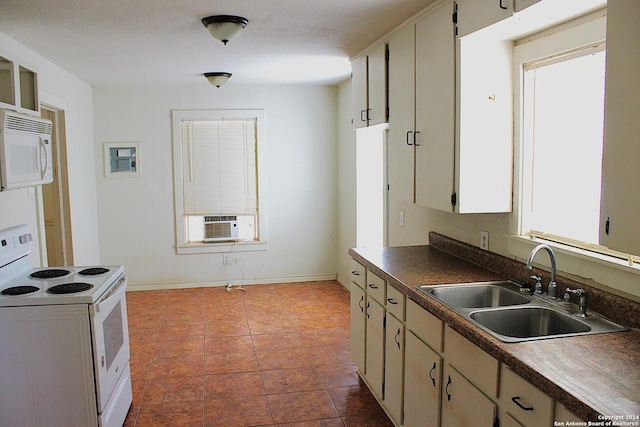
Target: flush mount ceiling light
<point>217,79</point>
<point>225,27</point>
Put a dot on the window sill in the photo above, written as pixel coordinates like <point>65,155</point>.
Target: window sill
<point>212,248</point>
<point>610,272</point>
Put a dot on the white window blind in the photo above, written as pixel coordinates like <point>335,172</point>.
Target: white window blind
<point>219,167</point>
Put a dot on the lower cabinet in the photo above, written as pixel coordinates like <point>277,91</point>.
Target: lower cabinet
<point>422,384</point>
<point>463,404</point>
<point>358,326</point>
<point>394,367</point>
<point>374,354</point>
<point>523,401</point>
<point>426,374</point>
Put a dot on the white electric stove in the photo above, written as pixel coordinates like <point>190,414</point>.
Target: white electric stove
<point>64,341</point>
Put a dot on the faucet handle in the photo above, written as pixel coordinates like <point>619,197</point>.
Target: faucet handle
<point>538,288</point>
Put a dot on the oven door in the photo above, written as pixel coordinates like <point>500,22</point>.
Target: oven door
<point>110,334</point>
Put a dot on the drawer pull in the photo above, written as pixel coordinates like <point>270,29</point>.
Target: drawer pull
<point>355,273</point>
<point>373,286</point>
<point>431,376</point>
<point>392,301</point>
<point>515,400</point>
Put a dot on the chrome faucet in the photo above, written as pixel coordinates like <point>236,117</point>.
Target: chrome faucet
<point>582,303</point>
<point>552,288</point>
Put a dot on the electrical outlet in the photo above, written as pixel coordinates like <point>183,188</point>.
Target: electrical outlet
<point>484,240</point>
<point>225,258</point>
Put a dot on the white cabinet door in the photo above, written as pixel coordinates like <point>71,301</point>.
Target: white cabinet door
<point>359,92</point>
<point>422,383</point>
<point>476,14</point>
<point>374,354</point>
<point>358,327</point>
<point>394,368</point>
<point>377,85</point>
<point>464,405</point>
<point>484,114</point>
<point>620,209</point>
<point>435,109</point>
<point>369,87</point>
<point>400,151</point>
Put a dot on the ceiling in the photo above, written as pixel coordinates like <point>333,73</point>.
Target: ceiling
<point>133,42</point>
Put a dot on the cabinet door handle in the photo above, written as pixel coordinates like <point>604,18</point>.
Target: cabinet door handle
<point>433,368</point>
<point>501,6</point>
<point>409,132</point>
<point>362,115</point>
<point>414,139</point>
<point>368,305</point>
<point>396,338</point>
<point>446,389</point>
<point>360,303</point>
<point>355,272</point>
<point>525,408</point>
<point>392,301</point>
<point>373,286</point>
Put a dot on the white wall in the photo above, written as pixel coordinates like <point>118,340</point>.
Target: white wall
<point>136,215</point>
<point>63,91</point>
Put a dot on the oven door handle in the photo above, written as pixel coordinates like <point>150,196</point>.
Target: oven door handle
<point>112,294</point>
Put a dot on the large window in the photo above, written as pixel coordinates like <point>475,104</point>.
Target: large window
<point>217,181</point>
<point>561,99</point>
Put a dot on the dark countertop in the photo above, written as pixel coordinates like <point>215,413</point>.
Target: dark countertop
<point>590,375</point>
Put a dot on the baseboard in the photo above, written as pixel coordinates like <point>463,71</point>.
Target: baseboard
<point>207,284</point>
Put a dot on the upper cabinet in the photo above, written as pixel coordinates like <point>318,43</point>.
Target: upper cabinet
<point>476,14</point>
<point>18,86</point>
<point>421,110</point>
<point>620,209</point>
<point>369,87</point>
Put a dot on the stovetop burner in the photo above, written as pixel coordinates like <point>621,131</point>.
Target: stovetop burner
<point>19,290</point>
<point>49,273</point>
<point>93,271</point>
<point>69,288</point>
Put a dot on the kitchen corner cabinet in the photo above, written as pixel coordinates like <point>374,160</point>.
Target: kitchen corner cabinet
<point>369,87</point>
<point>476,14</point>
<point>422,114</point>
<point>18,86</point>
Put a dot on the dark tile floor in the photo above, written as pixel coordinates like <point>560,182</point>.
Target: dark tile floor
<point>270,355</point>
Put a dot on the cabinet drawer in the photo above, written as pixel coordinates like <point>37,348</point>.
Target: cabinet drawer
<point>523,401</point>
<point>358,273</point>
<point>395,302</point>
<point>472,362</point>
<point>425,325</point>
<point>376,287</point>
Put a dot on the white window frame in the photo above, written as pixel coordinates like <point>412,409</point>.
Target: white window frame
<point>594,263</point>
<point>182,247</point>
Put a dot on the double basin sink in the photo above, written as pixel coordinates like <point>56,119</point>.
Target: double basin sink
<point>502,310</point>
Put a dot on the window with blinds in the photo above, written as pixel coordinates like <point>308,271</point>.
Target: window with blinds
<point>219,167</point>
<point>216,176</point>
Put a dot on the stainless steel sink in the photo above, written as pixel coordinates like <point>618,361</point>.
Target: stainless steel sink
<point>511,316</point>
<point>529,322</point>
<point>476,295</point>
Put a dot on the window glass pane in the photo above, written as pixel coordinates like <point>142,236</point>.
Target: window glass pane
<point>565,104</point>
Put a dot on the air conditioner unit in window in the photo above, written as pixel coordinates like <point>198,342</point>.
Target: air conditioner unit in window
<point>220,228</point>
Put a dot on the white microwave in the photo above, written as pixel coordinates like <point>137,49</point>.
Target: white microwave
<point>25,151</point>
